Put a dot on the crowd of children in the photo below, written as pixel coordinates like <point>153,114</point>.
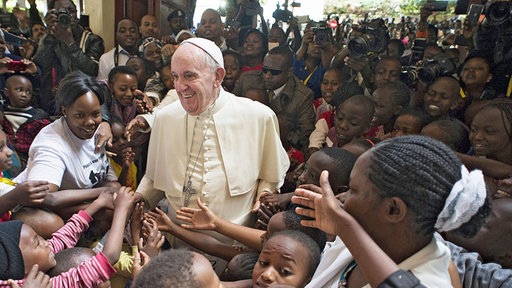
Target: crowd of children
<point>379,196</point>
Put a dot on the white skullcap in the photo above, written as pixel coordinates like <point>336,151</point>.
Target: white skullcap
<point>209,47</point>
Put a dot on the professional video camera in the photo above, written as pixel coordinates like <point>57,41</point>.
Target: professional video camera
<point>63,18</point>
<point>375,39</point>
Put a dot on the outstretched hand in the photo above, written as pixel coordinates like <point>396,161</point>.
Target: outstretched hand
<point>201,219</point>
<point>321,205</point>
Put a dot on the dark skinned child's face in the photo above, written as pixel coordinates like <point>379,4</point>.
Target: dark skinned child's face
<point>441,97</point>
<point>35,250</point>
<point>318,162</point>
<point>119,141</point>
<point>19,91</point>
<point>351,121</point>
<point>385,107</point>
<point>282,261</point>
<point>142,76</point>
<point>5,153</point>
<point>406,124</point>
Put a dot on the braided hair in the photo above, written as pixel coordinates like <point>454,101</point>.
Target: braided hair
<point>505,107</point>
<point>421,171</point>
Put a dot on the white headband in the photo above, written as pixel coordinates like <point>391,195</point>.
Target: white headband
<point>467,196</point>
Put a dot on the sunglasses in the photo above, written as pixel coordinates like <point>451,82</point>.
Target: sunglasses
<point>274,72</point>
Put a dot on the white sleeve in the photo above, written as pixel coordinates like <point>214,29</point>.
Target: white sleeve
<point>317,137</point>
<point>46,165</point>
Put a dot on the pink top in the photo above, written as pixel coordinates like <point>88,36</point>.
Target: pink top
<point>91,272</point>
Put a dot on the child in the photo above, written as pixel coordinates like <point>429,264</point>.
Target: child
<point>332,81</point>
<point>450,132</point>
<point>389,99</point>
<point>27,248</point>
<point>442,96</point>
<point>122,155</point>
<point>233,67</point>
<point>21,121</point>
<point>240,267</point>
<point>159,84</point>
<point>353,117</point>
<point>288,257</point>
<point>337,161</point>
<point>122,81</point>
<point>144,70</point>
<point>491,133</point>
<point>410,121</point>
<point>177,268</point>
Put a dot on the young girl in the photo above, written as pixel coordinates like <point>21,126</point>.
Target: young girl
<point>25,248</point>
<point>491,131</point>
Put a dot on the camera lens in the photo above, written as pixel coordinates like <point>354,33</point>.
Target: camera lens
<point>499,12</point>
<point>359,46</point>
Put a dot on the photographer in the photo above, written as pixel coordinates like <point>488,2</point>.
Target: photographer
<point>67,47</point>
<point>313,56</point>
<point>362,52</point>
<point>494,38</point>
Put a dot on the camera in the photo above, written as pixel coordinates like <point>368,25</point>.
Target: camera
<point>63,18</point>
<point>439,65</point>
<point>409,76</point>
<point>16,66</point>
<point>498,12</point>
<point>321,35</point>
<point>375,39</point>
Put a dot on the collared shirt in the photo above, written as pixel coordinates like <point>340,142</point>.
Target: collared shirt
<point>107,61</point>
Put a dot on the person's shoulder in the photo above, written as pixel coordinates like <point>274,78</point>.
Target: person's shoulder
<point>246,106</point>
<point>299,87</point>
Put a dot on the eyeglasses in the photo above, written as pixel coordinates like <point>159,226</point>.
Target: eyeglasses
<point>274,72</point>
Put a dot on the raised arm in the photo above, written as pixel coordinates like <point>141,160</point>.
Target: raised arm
<point>205,219</point>
<point>201,241</point>
<point>330,217</point>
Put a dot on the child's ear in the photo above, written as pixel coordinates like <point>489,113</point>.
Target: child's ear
<point>398,108</point>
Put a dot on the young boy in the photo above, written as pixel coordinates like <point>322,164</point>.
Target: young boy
<point>24,248</point>
<point>353,118</point>
<point>410,121</point>
<point>122,155</point>
<point>442,96</point>
<point>21,121</point>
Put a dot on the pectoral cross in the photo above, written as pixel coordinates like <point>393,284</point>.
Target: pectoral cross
<point>188,190</point>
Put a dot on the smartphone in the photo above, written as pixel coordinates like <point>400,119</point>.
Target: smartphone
<point>474,12</point>
<point>16,66</point>
<point>437,6</point>
<point>14,40</point>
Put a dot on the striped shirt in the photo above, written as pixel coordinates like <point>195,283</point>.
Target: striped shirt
<point>89,273</point>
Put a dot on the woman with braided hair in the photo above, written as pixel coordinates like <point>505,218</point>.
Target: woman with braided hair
<point>491,131</point>
<point>401,192</point>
